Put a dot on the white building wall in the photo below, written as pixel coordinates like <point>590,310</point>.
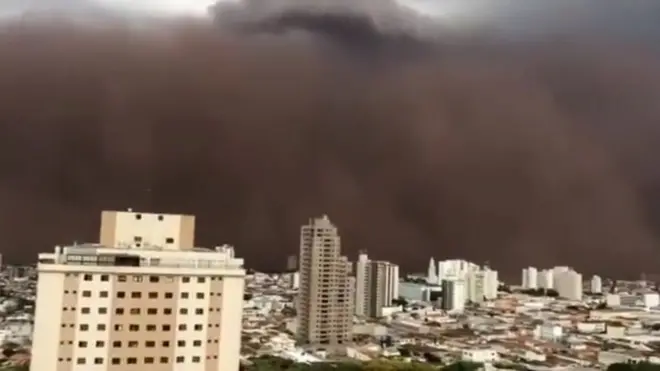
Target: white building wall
<point>46,339</point>
<point>189,319</point>
<point>231,323</point>
<point>150,228</point>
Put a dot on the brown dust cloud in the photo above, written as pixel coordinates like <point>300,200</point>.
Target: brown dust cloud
<point>447,140</point>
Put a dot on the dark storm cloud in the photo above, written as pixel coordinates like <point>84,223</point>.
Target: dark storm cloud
<point>538,152</point>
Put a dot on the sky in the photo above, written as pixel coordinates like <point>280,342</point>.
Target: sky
<point>501,135</point>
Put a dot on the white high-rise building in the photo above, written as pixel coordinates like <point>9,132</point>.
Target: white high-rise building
<point>556,272</point>
<point>476,285</point>
<point>530,278</point>
<point>455,268</point>
<point>144,297</point>
<point>376,286</point>
<point>569,285</point>
<point>492,284</point>
<point>431,276</point>
<point>453,295</point>
<point>545,279</point>
<point>596,285</point>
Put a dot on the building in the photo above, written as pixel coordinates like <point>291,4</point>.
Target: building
<point>431,275</point>
<point>596,285</point>
<point>325,299</point>
<point>416,291</point>
<point>492,284</point>
<point>376,286</point>
<point>530,278</point>
<point>151,302</point>
<point>454,268</point>
<point>453,295</point>
<point>569,285</point>
<point>292,263</point>
<point>546,279</point>
<point>476,286</point>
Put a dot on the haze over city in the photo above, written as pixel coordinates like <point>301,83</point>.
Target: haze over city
<point>511,137</point>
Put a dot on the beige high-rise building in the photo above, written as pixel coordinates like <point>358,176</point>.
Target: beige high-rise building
<point>139,300</point>
<point>325,301</point>
<point>376,285</point>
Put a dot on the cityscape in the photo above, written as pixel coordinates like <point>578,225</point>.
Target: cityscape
<point>145,295</point>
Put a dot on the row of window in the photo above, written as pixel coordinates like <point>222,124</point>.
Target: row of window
<point>140,278</point>
<point>139,311</point>
<point>138,294</point>
<point>134,360</point>
<point>136,327</point>
<point>136,344</point>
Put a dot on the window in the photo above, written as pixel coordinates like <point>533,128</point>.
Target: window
<point>148,360</point>
<point>182,327</point>
<point>131,360</point>
<point>184,295</point>
<point>169,295</point>
<point>100,344</point>
<point>200,295</point>
<point>133,328</point>
<point>135,311</point>
<point>105,278</point>
<point>80,361</point>
<point>167,327</point>
<point>85,310</point>
<point>103,294</point>
<point>167,311</point>
<point>121,294</point>
<point>87,294</point>
<point>180,359</point>
<point>197,343</point>
<point>169,240</point>
<point>196,359</point>
<point>183,311</point>
<point>87,277</point>
<point>153,295</point>
<point>152,311</point>
<point>100,327</point>
<point>198,327</point>
<point>119,311</point>
<point>199,311</point>
<point>115,361</point>
<point>103,310</point>
<point>82,344</point>
<point>132,344</point>
<point>84,327</point>
<point>138,216</point>
<point>137,278</point>
<point>185,279</point>
<point>119,327</point>
<point>137,239</point>
<point>181,343</point>
<point>164,359</point>
<point>165,344</point>
<point>121,278</point>
<point>150,344</point>
<point>116,344</point>
<point>201,279</point>
<point>154,279</point>
<point>136,295</point>
<point>151,327</point>
<point>98,361</point>
<point>160,218</point>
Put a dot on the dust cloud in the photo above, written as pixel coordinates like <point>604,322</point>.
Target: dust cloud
<point>529,152</point>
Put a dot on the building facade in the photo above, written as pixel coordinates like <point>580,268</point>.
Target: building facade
<point>162,305</point>
<point>453,295</point>
<point>325,299</point>
<point>376,286</point>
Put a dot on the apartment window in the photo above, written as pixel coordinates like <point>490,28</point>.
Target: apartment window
<point>167,311</point>
<point>199,311</point>
<point>103,294</point>
<point>154,279</point>
<point>167,327</point>
<point>119,327</point>
<point>116,344</point>
<point>152,311</point>
<point>84,327</point>
<point>197,343</point>
<point>98,361</point>
<point>151,327</point>
<point>198,327</point>
<point>100,327</point>
<point>103,310</point>
<point>131,360</point>
<point>80,361</point>
<point>137,278</point>
<point>182,327</point>
<point>180,359</point>
<point>160,218</point>
<point>105,278</point>
<point>165,344</point>
<point>169,295</point>
<point>85,310</point>
<point>196,359</point>
<point>100,344</point>
<point>115,361</point>
<point>138,216</point>
<point>153,295</point>
<point>119,311</point>
<point>148,360</point>
<point>201,279</point>
<point>82,344</point>
<point>87,277</point>
<point>169,240</point>
<point>132,344</point>
<point>135,311</point>
<point>136,294</point>
<point>121,278</point>
<point>121,294</point>
<point>181,343</point>
<point>137,239</point>
<point>185,279</point>
<point>183,311</point>
<point>184,295</point>
<point>164,359</point>
<point>133,328</point>
<point>200,295</point>
<point>87,294</point>
<point>150,344</point>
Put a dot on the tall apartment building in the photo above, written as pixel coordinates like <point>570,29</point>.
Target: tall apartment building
<point>325,298</point>
<point>530,278</point>
<point>453,295</point>
<point>376,285</point>
<point>569,284</point>
<point>596,285</point>
<point>146,298</point>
